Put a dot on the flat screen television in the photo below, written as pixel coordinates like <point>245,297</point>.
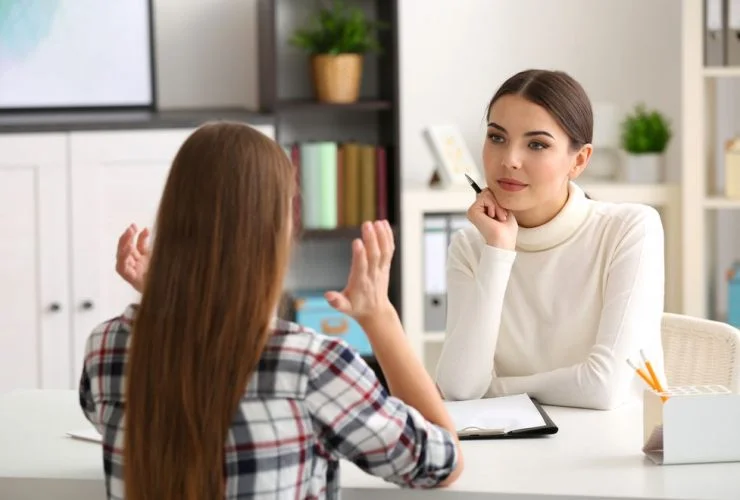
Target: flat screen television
<point>76,54</point>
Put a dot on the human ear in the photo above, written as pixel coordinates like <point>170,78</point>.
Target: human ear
<point>582,158</point>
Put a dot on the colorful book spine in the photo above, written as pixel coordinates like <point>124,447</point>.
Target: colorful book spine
<point>311,185</point>
<point>381,181</point>
<point>352,184</point>
<point>368,199</point>
<point>295,156</point>
<point>327,158</point>
<point>339,185</point>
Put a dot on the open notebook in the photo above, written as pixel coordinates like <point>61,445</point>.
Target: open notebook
<point>89,434</point>
<point>501,416</point>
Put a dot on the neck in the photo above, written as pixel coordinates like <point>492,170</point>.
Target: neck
<point>542,214</point>
<point>552,227</point>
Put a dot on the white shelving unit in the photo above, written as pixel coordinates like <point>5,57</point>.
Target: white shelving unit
<point>419,201</point>
<point>700,164</point>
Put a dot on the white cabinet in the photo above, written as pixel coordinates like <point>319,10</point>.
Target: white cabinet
<point>116,179</point>
<point>34,264</point>
<point>64,200</point>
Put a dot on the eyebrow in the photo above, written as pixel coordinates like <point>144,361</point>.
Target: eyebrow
<point>526,134</point>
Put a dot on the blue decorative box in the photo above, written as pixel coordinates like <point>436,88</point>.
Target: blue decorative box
<point>733,295</point>
<point>313,311</point>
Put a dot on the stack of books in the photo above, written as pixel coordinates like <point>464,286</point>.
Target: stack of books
<point>340,184</point>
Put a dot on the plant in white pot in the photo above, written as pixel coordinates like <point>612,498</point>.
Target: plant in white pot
<point>645,137</point>
<point>337,38</point>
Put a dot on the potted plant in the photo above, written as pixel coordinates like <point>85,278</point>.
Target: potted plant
<point>336,39</point>
<point>645,136</point>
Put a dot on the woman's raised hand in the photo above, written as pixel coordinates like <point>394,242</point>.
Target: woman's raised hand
<point>366,292</point>
<point>132,257</point>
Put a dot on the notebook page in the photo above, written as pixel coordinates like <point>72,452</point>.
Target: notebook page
<point>89,434</point>
<point>502,414</point>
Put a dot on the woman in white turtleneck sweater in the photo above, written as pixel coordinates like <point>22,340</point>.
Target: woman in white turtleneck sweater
<point>550,292</point>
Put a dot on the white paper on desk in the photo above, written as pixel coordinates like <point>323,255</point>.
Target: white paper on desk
<point>492,416</point>
<point>90,434</point>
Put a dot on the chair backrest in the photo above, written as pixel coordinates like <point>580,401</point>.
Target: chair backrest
<point>700,351</point>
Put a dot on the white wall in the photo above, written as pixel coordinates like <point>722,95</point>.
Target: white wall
<point>455,54</point>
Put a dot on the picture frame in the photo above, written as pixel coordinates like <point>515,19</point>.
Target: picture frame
<point>451,156</point>
<point>78,56</point>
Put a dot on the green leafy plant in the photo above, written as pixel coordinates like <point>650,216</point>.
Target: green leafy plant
<point>338,28</point>
<point>645,131</point>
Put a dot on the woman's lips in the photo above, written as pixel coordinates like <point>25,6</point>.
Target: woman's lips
<point>511,185</point>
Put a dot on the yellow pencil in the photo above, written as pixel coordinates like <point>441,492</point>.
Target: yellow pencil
<point>646,378</point>
<point>642,375</point>
<point>656,380</point>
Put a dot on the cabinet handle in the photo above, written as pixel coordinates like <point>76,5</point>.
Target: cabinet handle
<point>55,307</point>
<point>87,305</point>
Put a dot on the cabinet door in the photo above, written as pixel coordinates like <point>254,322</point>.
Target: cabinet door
<point>34,287</point>
<point>117,178</point>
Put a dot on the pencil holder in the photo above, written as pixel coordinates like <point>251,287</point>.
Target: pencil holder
<point>696,424</point>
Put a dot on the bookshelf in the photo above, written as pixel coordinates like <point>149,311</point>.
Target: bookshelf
<point>286,92</point>
<point>706,212</point>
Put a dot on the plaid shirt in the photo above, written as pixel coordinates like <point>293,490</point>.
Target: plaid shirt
<point>311,402</point>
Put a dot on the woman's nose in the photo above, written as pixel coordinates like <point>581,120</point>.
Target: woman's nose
<point>511,160</point>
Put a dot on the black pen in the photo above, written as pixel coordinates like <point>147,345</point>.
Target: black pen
<point>473,184</point>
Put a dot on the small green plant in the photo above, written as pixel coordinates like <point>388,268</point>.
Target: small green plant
<point>338,28</point>
<point>645,131</point>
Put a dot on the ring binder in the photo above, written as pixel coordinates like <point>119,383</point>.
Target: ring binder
<point>715,32</point>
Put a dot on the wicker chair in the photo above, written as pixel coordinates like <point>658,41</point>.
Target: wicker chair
<point>700,352</point>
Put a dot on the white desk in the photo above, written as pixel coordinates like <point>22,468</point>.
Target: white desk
<point>596,455</point>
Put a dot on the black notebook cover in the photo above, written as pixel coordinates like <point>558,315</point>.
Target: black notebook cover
<point>545,430</point>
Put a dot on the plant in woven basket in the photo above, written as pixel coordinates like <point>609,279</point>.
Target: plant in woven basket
<point>336,38</point>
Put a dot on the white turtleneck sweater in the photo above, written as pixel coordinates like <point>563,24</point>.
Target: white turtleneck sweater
<point>558,317</point>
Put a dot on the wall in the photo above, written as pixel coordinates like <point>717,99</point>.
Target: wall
<point>455,54</point>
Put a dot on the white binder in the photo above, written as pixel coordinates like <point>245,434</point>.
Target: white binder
<point>435,272</point>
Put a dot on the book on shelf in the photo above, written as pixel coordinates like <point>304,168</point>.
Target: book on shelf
<point>339,184</point>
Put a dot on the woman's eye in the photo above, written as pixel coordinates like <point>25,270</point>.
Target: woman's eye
<point>537,146</point>
<point>495,138</point>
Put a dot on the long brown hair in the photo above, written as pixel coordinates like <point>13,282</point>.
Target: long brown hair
<point>220,253</point>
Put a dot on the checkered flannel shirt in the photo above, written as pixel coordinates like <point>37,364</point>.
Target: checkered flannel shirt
<point>311,402</point>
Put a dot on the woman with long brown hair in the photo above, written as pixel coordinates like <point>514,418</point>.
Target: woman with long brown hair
<point>550,292</point>
<point>200,392</point>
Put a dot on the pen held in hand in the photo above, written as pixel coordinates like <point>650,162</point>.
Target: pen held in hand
<point>473,184</point>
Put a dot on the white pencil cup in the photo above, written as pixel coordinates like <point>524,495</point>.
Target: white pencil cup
<point>696,424</point>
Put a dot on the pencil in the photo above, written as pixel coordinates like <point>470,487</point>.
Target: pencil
<point>473,184</point>
<point>649,366</point>
<point>642,375</point>
<point>647,379</point>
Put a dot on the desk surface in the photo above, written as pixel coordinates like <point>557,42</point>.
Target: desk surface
<point>596,455</point>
